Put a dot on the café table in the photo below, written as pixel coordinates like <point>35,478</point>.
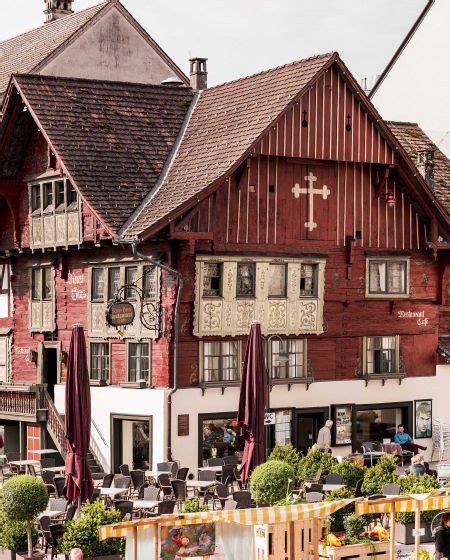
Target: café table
<point>56,470</point>
<point>46,451</point>
<point>145,504</point>
<point>373,454</point>
<point>113,492</point>
<point>217,469</point>
<point>200,484</point>
<point>25,463</point>
<point>50,513</point>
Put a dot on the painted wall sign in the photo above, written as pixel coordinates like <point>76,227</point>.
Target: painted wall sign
<point>120,314</point>
<point>419,315</point>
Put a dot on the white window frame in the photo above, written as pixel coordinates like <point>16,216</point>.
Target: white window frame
<point>304,359</point>
<point>99,381</point>
<point>366,361</point>
<point>142,380</point>
<point>202,363</point>
<point>387,295</point>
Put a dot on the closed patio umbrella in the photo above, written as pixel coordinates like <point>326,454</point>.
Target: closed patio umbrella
<point>79,485</point>
<point>253,401</point>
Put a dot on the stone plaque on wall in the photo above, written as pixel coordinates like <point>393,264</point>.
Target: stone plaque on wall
<point>183,425</point>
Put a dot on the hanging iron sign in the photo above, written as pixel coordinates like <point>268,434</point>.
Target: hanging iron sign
<point>120,314</point>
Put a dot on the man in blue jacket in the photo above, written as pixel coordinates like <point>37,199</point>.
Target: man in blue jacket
<point>406,441</point>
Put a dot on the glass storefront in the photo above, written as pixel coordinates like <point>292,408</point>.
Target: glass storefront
<point>219,437</point>
<point>132,442</point>
<point>378,423</point>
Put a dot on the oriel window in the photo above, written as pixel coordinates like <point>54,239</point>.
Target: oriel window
<point>48,197</point>
<point>149,282</point>
<point>308,280</point>
<point>381,354</point>
<point>245,280</point>
<point>212,279</point>
<point>113,281</point>
<point>60,195</point>
<point>72,197</point>
<point>277,280</point>
<point>36,199</point>
<point>98,284</point>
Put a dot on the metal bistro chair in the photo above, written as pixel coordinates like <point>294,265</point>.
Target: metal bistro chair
<point>313,488</point>
<point>182,473</point>
<point>314,497</point>
<point>125,507</point>
<point>59,483</point>
<point>164,484</point>
<point>228,474</point>
<point>137,479</point>
<point>231,460</point>
<point>70,513</point>
<point>107,480</point>
<point>165,467</point>
<point>151,493</point>
<point>166,507</point>
<point>243,499</point>
<point>207,476</point>
<point>47,463</point>
<point>57,532</point>
<point>179,491</point>
<point>390,489</point>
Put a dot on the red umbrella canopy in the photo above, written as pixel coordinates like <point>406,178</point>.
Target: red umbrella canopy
<point>78,420</point>
<point>253,402</point>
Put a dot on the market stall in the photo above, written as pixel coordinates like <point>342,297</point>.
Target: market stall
<point>281,533</point>
<point>416,504</point>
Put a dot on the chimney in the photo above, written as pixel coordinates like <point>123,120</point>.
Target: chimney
<point>198,73</point>
<point>56,9</point>
<point>425,164</point>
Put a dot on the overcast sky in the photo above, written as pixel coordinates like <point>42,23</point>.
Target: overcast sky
<point>241,37</point>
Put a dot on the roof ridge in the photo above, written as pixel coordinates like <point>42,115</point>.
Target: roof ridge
<point>54,23</point>
<point>293,63</point>
<point>403,122</point>
<point>25,75</point>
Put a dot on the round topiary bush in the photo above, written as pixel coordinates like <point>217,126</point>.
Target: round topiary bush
<point>312,462</point>
<point>271,482</point>
<point>286,453</point>
<point>13,534</point>
<point>22,499</point>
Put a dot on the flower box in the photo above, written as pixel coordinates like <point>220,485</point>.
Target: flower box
<point>404,533</point>
<point>364,551</point>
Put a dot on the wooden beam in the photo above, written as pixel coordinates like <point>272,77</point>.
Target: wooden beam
<point>185,221</point>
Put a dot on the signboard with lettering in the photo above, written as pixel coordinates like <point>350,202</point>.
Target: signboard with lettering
<point>120,314</point>
<point>269,419</point>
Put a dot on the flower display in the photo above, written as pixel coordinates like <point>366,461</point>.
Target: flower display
<point>188,541</point>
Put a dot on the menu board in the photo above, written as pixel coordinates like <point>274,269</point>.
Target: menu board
<point>343,424</point>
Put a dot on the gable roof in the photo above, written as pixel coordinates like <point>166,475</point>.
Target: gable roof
<point>401,48</point>
<point>113,138</point>
<point>21,54</point>
<point>226,121</point>
<point>413,139</point>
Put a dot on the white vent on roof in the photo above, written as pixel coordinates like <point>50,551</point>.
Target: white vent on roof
<point>172,81</point>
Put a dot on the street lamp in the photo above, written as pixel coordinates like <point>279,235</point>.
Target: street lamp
<point>283,357</point>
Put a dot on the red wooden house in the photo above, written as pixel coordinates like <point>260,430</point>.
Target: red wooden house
<point>282,197</point>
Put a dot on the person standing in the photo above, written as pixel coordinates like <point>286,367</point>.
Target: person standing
<point>442,538</point>
<point>324,437</point>
<point>406,441</point>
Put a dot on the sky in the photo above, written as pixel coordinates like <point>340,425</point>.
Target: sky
<point>242,37</point>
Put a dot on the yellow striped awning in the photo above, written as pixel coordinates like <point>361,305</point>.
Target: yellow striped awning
<point>254,516</point>
<point>405,504</point>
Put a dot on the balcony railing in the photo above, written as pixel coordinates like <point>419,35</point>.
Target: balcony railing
<point>19,402</point>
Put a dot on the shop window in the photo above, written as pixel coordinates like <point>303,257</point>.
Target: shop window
<point>277,280</point>
<point>387,277</point>
<point>212,279</point>
<point>245,280</point>
<point>99,361</point>
<point>138,362</point>
<point>219,437</point>
<point>308,280</point>
<point>379,423</point>
<point>220,361</point>
<point>381,355</point>
<point>288,359</point>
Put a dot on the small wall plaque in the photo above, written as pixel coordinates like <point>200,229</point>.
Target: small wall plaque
<point>183,425</point>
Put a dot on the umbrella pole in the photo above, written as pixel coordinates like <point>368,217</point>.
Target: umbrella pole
<point>417,536</point>
<point>392,535</point>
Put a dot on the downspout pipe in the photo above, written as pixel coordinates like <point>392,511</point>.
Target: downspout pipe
<point>174,388</point>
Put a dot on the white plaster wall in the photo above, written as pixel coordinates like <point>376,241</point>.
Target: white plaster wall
<point>118,400</point>
<point>113,50</point>
<point>320,394</point>
<point>416,89</point>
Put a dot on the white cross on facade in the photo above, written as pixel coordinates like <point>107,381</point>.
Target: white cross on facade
<point>311,191</point>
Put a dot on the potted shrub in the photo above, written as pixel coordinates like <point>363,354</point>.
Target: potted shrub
<point>13,535</point>
<point>286,453</point>
<point>384,472</point>
<point>312,462</point>
<point>83,533</point>
<point>22,499</point>
<point>413,484</point>
<point>271,482</point>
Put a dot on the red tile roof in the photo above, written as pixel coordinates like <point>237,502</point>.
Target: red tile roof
<point>225,123</point>
<point>21,54</point>
<point>113,138</point>
<point>413,139</point>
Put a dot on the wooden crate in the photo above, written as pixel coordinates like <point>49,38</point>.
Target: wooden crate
<point>375,551</point>
<point>296,540</point>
